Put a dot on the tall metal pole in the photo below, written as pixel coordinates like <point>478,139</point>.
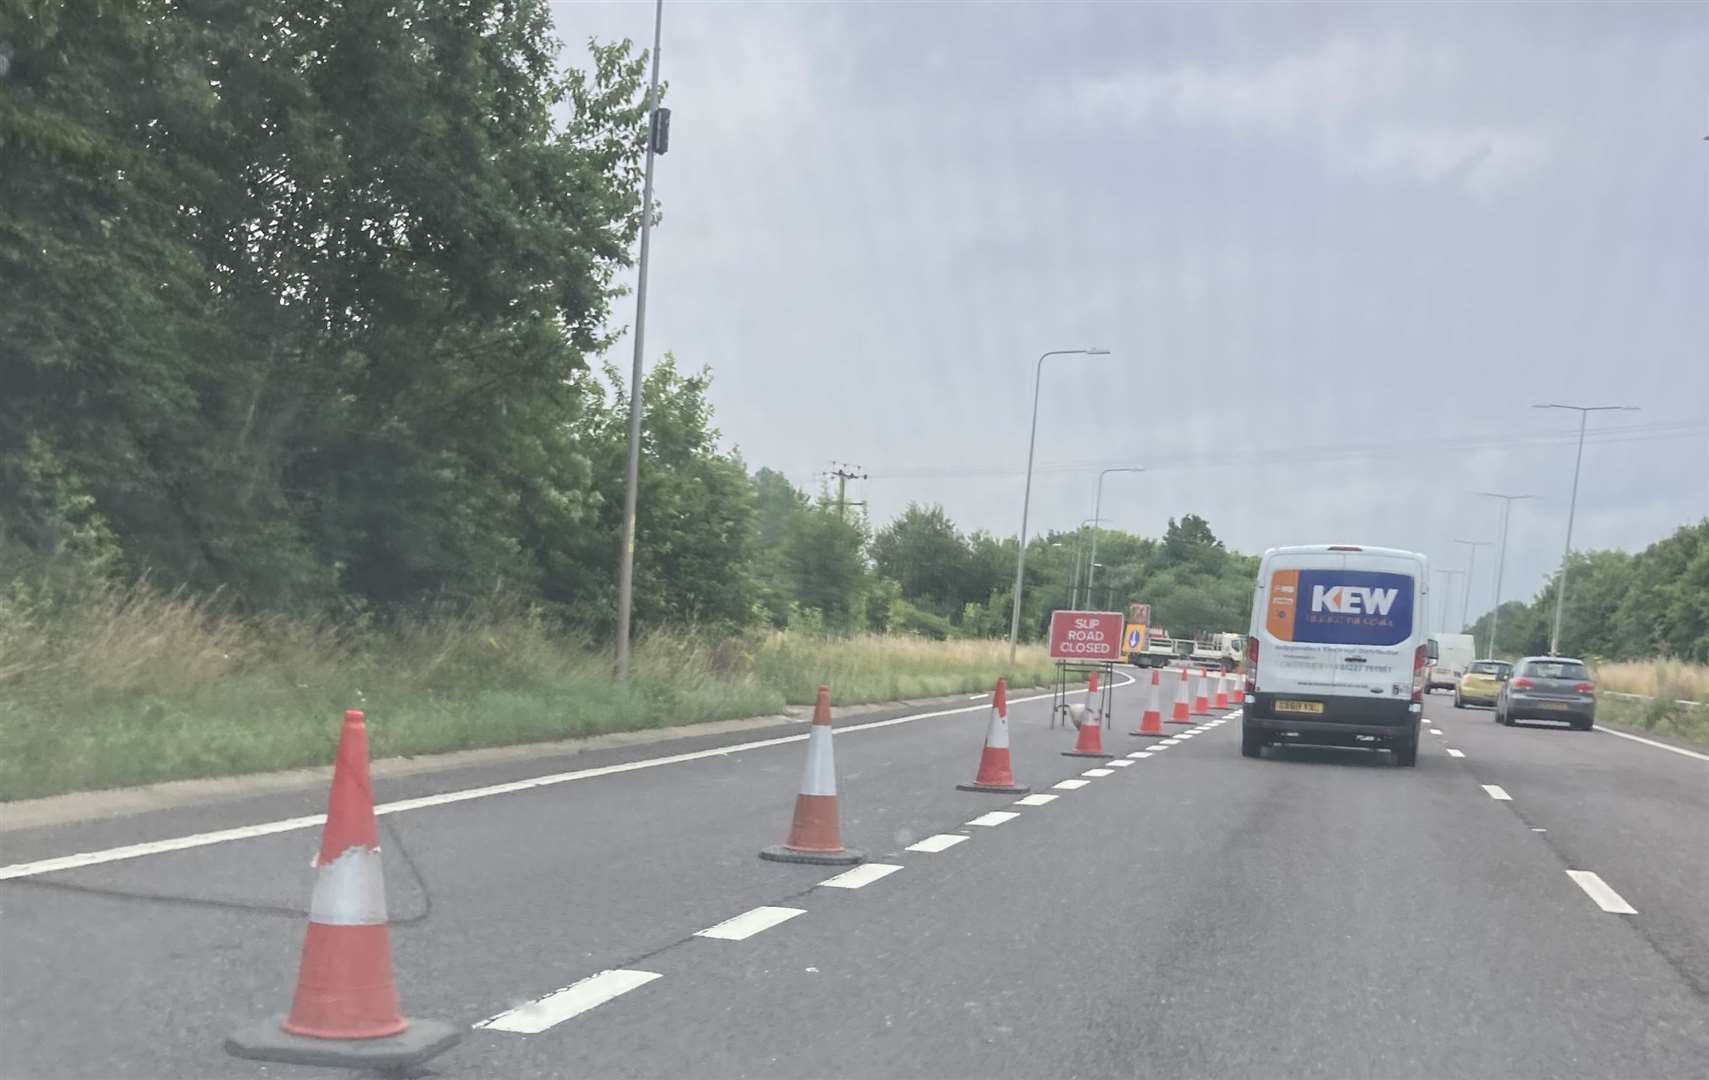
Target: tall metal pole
<point>626,561</point>
<point>1442,611</point>
<point>1098,508</point>
<point>1079,550</point>
<point>1584,412</point>
<point>1471,572</point>
<point>1027,494</point>
<point>1500,563</point>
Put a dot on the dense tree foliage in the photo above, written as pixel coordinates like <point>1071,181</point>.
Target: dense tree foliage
<point>1619,606</point>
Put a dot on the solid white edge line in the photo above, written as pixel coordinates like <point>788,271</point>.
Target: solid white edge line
<point>1598,890</point>
<point>268,828</point>
<point>573,1000</point>
<point>1497,792</point>
<point>749,923</point>
<point>1455,753</point>
<point>940,842</point>
<point>994,818</point>
<point>861,876</point>
<point>1651,742</point>
<point>1039,799</point>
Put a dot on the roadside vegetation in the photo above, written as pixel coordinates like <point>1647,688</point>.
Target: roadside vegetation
<point>1663,685</point>
<point>131,686</point>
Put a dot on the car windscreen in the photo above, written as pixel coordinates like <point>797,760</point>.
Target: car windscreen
<point>1340,607</point>
<point>1486,667</point>
<point>1555,669</point>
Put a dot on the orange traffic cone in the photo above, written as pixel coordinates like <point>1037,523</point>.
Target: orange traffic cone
<point>1152,722</point>
<point>1091,740</point>
<point>815,836</point>
<point>995,773</point>
<point>345,1011</point>
<point>1201,703</point>
<point>1180,713</point>
<point>1237,696</point>
<point>1222,690</point>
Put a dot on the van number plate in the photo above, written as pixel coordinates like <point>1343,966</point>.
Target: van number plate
<point>1313,707</point>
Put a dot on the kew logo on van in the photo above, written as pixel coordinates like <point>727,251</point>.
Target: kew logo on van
<point>1352,599</point>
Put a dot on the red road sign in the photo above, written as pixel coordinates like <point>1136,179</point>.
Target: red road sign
<point>1086,635</point>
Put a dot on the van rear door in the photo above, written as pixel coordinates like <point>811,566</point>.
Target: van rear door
<point>1364,612</point>
<point>1287,664</point>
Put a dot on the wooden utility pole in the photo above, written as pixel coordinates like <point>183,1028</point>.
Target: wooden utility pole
<point>845,472</point>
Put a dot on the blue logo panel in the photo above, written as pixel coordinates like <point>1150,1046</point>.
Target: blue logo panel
<point>1353,607</point>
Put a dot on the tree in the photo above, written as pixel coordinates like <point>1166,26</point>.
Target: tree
<point>924,553</point>
<point>826,561</point>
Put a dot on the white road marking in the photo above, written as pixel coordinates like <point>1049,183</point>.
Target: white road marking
<point>994,818</point>
<point>1535,829</point>
<point>1621,734</point>
<point>861,876</point>
<point>1455,753</point>
<point>1071,785</point>
<point>1098,772</point>
<point>572,1000</point>
<point>749,923</point>
<point>1118,763</point>
<point>974,697</point>
<point>1185,735</point>
<point>1040,799</point>
<point>1497,792</point>
<point>268,828</point>
<point>1597,889</point>
<point>1170,742</point>
<point>1156,747</point>
<point>940,842</point>
<point>1140,755</point>
<point>1435,731</point>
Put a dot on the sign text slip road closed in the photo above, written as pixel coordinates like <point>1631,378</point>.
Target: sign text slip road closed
<point>1086,635</point>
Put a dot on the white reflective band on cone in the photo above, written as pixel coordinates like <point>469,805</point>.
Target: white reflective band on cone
<point>350,890</point>
<point>820,776</point>
<point>997,735</point>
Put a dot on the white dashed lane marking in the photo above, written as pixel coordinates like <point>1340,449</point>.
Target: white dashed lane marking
<point>1455,753</point>
<point>1435,731</point>
<point>994,818</point>
<point>1597,889</point>
<point>934,844</point>
<point>1071,785</point>
<point>1037,800</point>
<point>861,876</point>
<point>1497,792</point>
<point>1118,763</point>
<point>1140,755</point>
<point>749,923</point>
<point>1098,772</point>
<point>572,1000</point>
<point>1170,742</point>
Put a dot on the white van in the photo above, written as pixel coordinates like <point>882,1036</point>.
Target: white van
<point>1338,649</point>
<point>1453,657</point>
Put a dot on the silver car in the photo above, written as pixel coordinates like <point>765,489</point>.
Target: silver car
<point>1548,688</point>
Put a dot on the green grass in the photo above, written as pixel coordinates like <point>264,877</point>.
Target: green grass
<point>1659,716</point>
<point>130,687</point>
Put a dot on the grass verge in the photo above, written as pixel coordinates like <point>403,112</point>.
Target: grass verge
<point>1655,717</point>
<point>130,687</point>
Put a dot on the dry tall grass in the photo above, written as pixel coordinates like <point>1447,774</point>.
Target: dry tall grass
<point>1673,679</point>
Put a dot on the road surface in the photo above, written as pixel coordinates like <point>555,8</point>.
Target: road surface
<point>1316,913</point>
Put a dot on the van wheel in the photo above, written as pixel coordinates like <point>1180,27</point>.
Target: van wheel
<point>1406,753</point>
<point>1251,741</point>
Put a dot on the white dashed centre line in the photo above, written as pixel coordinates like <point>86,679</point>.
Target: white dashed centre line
<point>1098,772</point>
<point>994,818</point>
<point>1040,799</point>
<point>1496,792</point>
<point>1140,755</point>
<point>749,923</point>
<point>1455,753</point>
<point>572,1000</point>
<point>1435,731</point>
<point>861,876</point>
<point>940,842</point>
<point>1170,742</point>
<point>1071,785</point>
<point>1597,889</point>
<point>1118,763</point>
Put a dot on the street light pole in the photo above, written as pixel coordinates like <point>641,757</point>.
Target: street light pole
<point>1098,508</point>
<point>1507,502</point>
<point>1584,412</point>
<point>1466,601</point>
<point>631,483</point>
<point>1441,618</point>
<point>1079,550</point>
<point>1027,494</point>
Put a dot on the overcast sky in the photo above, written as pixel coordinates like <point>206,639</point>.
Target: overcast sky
<point>1336,252</point>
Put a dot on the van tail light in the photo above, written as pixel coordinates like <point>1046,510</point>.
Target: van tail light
<point>1252,664</point>
<point>1522,683</point>
<point>1420,664</point>
<point>1585,687</point>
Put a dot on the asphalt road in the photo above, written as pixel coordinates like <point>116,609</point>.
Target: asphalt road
<point>1317,913</point>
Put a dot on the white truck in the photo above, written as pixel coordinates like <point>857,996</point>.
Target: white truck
<point>1218,650</point>
<point>1159,649</point>
<point>1454,654</point>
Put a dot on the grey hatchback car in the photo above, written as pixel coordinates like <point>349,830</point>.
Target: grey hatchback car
<point>1548,688</point>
